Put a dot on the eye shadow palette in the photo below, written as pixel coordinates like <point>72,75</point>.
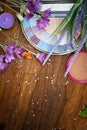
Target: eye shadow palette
<point>40,38</point>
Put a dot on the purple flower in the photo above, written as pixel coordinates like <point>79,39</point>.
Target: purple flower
<point>42,22</point>
<point>18,52</point>
<point>10,48</point>
<point>9,58</point>
<point>9,53</point>
<point>34,5</point>
<point>47,13</point>
<point>29,15</point>
<point>3,65</point>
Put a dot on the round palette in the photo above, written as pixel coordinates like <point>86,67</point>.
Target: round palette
<point>39,38</point>
<point>78,72</point>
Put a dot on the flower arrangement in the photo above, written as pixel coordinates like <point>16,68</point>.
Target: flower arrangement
<point>13,51</point>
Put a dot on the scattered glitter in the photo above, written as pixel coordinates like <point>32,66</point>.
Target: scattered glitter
<point>74,118</point>
<point>48,63</point>
<point>38,78</point>
<point>29,92</point>
<point>32,100</point>
<point>7,81</point>
<point>37,102</point>
<point>26,81</point>
<point>35,74</point>
<point>33,115</point>
<point>66,82</point>
<point>60,94</point>
<point>32,103</point>
<point>21,95</point>
<point>49,59</point>
<point>35,80</point>
<point>13,115</point>
<point>30,72</point>
<point>52,82</point>
<point>46,77</point>
<point>46,100</point>
<point>34,70</point>
<point>32,111</point>
<point>53,75</point>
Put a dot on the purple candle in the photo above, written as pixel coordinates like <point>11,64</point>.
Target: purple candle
<point>6,20</point>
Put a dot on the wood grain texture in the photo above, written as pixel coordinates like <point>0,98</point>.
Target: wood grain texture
<point>36,97</point>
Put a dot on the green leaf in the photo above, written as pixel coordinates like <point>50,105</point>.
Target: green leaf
<point>68,17</point>
<point>83,113</point>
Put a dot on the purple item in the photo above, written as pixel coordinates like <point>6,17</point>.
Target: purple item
<point>41,56</point>
<point>6,20</point>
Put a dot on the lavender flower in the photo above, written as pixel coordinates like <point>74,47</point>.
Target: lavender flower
<point>3,65</point>
<point>34,6</point>
<point>43,21</point>
<point>18,52</point>
<point>9,53</point>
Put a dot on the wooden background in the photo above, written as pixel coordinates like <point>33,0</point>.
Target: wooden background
<point>36,97</point>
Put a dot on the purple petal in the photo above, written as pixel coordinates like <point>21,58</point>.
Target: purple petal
<point>29,15</point>
<point>34,5</point>
<point>10,49</point>
<point>42,22</point>
<point>3,65</point>
<point>9,58</point>
<point>47,13</point>
<point>18,52</point>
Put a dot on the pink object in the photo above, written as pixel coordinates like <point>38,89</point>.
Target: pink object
<point>78,71</point>
<point>6,20</point>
